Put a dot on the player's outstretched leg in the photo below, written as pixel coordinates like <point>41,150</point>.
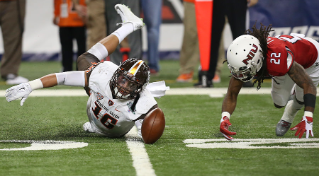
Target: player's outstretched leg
<point>130,23</point>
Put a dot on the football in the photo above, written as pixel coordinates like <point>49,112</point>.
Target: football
<point>153,126</point>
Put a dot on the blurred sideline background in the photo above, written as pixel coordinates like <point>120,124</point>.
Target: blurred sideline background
<point>41,40</point>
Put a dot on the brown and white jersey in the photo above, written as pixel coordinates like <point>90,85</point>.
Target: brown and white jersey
<point>108,116</point>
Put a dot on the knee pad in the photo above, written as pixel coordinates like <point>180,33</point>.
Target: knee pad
<point>85,61</point>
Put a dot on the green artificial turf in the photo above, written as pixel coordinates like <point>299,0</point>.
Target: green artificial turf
<point>187,117</point>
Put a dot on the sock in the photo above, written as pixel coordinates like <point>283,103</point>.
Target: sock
<point>291,110</point>
<point>123,31</point>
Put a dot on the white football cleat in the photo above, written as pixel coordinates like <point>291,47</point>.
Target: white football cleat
<point>127,16</point>
<point>12,79</point>
<point>87,127</point>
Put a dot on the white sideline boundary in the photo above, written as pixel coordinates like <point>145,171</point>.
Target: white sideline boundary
<point>212,92</point>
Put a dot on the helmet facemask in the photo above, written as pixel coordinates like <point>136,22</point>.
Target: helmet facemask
<point>129,79</point>
<point>246,73</point>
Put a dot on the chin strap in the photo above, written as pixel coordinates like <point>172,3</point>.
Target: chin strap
<point>133,107</point>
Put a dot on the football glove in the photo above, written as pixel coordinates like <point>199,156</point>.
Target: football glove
<point>19,91</point>
<point>224,125</point>
<point>304,126</point>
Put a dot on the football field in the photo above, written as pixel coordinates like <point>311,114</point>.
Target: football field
<point>45,137</point>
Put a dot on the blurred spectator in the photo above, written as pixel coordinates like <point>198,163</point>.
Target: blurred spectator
<point>251,2</point>
<point>134,40</point>
<point>189,55</point>
<point>12,15</point>
<point>152,10</point>
<point>221,58</point>
<point>71,26</point>
<point>235,10</point>
<point>94,16</point>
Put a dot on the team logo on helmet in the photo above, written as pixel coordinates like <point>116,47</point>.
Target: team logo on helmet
<point>244,57</point>
<point>251,54</point>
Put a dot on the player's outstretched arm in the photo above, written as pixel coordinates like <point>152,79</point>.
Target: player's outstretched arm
<point>298,74</point>
<point>229,105</point>
<point>22,91</point>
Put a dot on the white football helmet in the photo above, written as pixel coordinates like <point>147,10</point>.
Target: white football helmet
<point>244,57</point>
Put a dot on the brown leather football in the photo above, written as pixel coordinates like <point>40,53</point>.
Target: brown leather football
<point>153,126</point>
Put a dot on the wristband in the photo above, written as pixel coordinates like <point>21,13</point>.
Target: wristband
<point>310,100</point>
<point>227,114</point>
<point>36,84</point>
<point>308,114</point>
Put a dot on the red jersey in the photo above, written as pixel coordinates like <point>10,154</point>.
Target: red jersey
<point>286,49</point>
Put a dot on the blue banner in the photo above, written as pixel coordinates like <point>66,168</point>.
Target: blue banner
<point>287,16</point>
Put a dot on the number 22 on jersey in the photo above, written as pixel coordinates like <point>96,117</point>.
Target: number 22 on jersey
<point>275,58</point>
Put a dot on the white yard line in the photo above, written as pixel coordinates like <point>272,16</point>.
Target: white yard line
<point>141,161</point>
<point>262,143</point>
<point>45,145</point>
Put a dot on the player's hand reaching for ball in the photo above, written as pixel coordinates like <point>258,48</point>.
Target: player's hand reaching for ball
<point>224,125</point>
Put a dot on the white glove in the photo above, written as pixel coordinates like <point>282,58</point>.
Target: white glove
<point>19,91</point>
<point>138,124</point>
